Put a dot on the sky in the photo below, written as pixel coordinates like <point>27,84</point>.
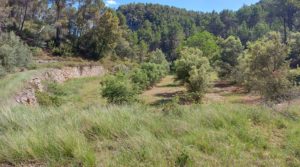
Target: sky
<point>196,5</point>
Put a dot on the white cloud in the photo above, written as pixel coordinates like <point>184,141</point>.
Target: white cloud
<point>110,2</point>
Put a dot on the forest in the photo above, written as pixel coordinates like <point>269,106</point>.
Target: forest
<point>83,84</point>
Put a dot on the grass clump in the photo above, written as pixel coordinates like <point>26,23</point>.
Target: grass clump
<point>138,135</point>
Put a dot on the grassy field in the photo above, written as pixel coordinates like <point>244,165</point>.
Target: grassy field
<point>84,131</point>
<point>82,93</point>
<point>138,135</point>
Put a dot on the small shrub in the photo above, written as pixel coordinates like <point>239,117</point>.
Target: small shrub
<point>195,71</point>
<point>56,89</point>
<point>189,57</point>
<point>2,71</point>
<point>13,53</point>
<point>154,72</point>
<point>198,82</point>
<point>140,78</point>
<point>294,76</point>
<point>172,108</point>
<point>46,99</point>
<point>118,89</point>
<point>182,159</point>
<point>37,52</point>
<point>64,50</point>
<point>158,57</point>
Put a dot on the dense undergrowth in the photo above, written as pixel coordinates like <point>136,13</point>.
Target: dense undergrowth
<point>138,135</point>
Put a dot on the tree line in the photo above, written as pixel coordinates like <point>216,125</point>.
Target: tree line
<point>226,42</point>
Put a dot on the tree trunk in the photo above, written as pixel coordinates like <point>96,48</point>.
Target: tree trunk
<point>285,30</point>
<point>58,27</point>
<point>24,17</point>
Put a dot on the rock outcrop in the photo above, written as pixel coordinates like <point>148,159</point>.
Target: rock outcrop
<point>27,96</point>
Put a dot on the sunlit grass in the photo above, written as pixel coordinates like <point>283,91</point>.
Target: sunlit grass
<point>137,135</point>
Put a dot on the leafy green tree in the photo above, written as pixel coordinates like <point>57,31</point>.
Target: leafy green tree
<point>260,30</point>
<point>199,81</point>
<point>118,89</point>
<point>189,57</point>
<point>13,53</point>
<point>140,78</point>
<point>286,10</point>
<point>88,13</point>
<point>4,13</point>
<point>158,57</point>
<point>102,38</point>
<point>215,25</point>
<point>294,43</point>
<point>59,6</point>
<point>154,72</point>
<point>267,68</point>
<point>194,70</point>
<point>207,43</point>
<point>232,48</point>
<point>142,51</point>
<point>171,40</point>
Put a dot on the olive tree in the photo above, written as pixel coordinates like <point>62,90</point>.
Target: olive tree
<point>265,68</point>
<point>194,70</point>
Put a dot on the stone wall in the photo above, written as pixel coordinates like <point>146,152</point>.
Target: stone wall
<point>27,95</point>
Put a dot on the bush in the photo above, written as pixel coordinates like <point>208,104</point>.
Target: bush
<point>2,71</point>
<point>158,57</point>
<point>118,89</point>
<point>13,53</point>
<point>189,57</point>
<point>198,82</point>
<point>265,69</point>
<point>65,49</point>
<point>193,70</point>
<point>154,72</point>
<point>53,96</point>
<point>46,99</point>
<point>294,76</point>
<point>140,78</point>
<point>232,48</point>
<point>37,52</point>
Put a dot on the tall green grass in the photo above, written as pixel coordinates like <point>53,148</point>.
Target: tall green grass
<point>137,135</point>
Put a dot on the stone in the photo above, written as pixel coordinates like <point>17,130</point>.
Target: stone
<point>27,95</point>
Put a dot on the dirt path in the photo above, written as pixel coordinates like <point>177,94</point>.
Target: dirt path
<point>163,91</point>
<point>219,93</point>
<point>223,91</point>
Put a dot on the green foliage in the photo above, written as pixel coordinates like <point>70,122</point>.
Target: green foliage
<point>65,49</point>
<point>294,43</point>
<point>13,53</point>
<point>199,81</point>
<point>138,135</point>
<point>140,78</point>
<point>53,96</point>
<point>158,57</point>
<point>154,72</point>
<point>189,57</point>
<point>118,89</point>
<point>265,68</point>
<point>48,100</point>
<point>2,72</point>
<point>102,38</point>
<point>294,76</point>
<point>232,48</point>
<point>207,43</point>
<point>195,71</point>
